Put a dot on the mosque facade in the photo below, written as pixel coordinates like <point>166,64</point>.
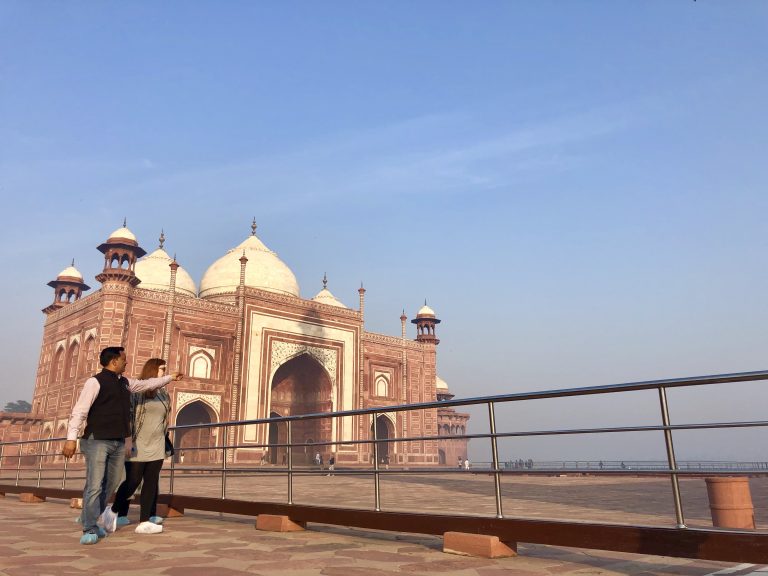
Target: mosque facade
<point>250,348</point>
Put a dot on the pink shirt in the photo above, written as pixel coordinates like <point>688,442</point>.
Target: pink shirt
<point>91,390</point>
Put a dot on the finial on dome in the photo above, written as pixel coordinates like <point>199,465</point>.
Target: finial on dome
<point>325,280</point>
<point>73,262</point>
<point>425,301</point>
<point>162,240</point>
<point>174,254</point>
<point>125,221</point>
<point>253,227</point>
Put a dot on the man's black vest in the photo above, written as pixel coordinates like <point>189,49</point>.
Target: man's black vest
<point>110,415</point>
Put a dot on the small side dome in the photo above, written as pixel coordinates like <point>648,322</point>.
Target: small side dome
<point>441,384</point>
<point>155,274</point>
<point>325,296</point>
<point>70,272</point>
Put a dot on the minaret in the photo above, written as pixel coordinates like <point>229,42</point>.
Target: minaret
<point>234,407</point>
<point>425,325</point>
<point>67,288</point>
<point>118,279</point>
<point>168,328</point>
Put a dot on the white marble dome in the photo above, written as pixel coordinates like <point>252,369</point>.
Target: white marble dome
<point>123,233</point>
<point>264,271</point>
<point>155,274</point>
<point>70,272</point>
<point>441,384</point>
<point>325,297</point>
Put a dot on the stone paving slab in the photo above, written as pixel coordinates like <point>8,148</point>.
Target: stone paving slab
<point>42,539</point>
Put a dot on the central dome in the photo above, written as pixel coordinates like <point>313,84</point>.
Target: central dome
<point>264,270</point>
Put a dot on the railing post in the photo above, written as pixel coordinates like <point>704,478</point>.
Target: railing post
<point>495,453</point>
<point>225,435</point>
<point>40,457</point>
<point>64,475</point>
<point>376,483</point>
<point>671,458</point>
<point>290,463</point>
<point>18,463</point>
<point>172,436</point>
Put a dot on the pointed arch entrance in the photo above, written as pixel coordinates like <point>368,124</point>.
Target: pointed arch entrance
<point>385,430</point>
<point>300,386</point>
<point>187,442</point>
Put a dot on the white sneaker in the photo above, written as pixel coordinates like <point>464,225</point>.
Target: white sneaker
<point>109,519</point>
<point>148,528</point>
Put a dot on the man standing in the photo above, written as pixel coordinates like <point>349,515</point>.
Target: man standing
<point>104,406</point>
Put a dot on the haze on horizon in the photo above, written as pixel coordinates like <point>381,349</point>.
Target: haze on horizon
<point>577,189</point>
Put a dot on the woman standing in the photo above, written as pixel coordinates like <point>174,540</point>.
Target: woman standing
<point>150,425</point>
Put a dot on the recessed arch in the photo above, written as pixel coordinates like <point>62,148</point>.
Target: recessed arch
<point>385,430</point>
<point>194,445</point>
<point>72,358</point>
<point>301,385</point>
<point>381,385</point>
<point>90,354</point>
<point>200,365</point>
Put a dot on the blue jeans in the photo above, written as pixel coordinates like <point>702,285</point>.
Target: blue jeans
<point>104,461</point>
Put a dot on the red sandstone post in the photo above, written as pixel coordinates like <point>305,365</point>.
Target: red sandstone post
<point>730,502</point>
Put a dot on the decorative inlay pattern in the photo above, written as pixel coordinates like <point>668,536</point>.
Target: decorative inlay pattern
<point>183,398</point>
<point>180,301</point>
<point>283,351</point>
<point>395,341</point>
<point>301,303</point>
<point>74,306</point>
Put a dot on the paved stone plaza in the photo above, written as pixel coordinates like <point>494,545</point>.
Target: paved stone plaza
<point>41,539</point>
<point>624,499</point>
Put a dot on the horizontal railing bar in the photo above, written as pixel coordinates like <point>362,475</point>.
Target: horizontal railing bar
<point>414,471</point>
<point>557,393</point>
<point>617,429</point>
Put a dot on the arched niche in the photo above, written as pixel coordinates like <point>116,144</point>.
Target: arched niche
<point>301,386</point>
<point>193,445</point>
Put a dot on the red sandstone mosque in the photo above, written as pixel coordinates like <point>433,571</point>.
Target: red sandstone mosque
<point>250,347</point>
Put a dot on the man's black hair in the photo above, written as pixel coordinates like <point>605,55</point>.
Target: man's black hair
<point>109,354</point>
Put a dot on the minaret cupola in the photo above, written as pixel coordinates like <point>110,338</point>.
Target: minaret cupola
<point>425,325</point>
<point>68,287</point>
<point>121,250</point>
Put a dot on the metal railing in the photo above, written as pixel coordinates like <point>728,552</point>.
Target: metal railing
<point>225,462</point>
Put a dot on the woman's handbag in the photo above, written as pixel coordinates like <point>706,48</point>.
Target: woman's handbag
<point>169,451</point>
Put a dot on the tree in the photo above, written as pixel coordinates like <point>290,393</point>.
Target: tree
<point>18,406</point>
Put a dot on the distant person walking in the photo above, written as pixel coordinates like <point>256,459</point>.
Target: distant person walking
<point>331,465</point>
<point>466,464</point>
<point>151,410</point>
<point>103,413</point>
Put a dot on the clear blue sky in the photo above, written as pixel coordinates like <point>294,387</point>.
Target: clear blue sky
<point>578,188</point>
